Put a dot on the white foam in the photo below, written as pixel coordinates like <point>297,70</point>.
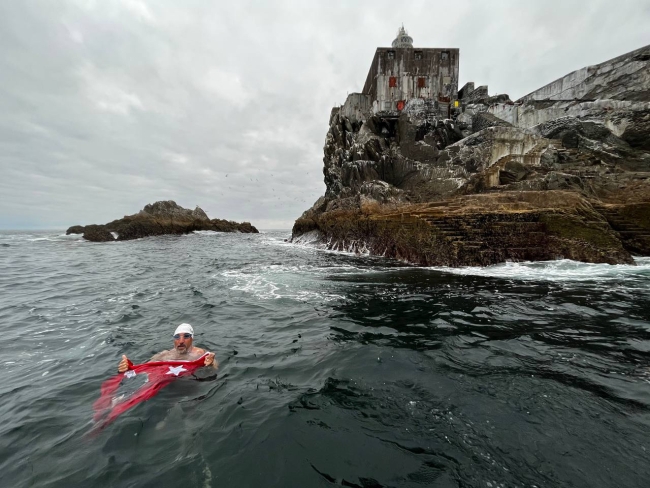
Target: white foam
<point>277,281</point>
<point>310,244</point>
<point>560,270</point>
<point>123,298</point>
<point>311,238</point>
<point>39,238</point>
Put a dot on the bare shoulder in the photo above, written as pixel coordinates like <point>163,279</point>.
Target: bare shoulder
<point>198,351</point>
<point>161,356</point>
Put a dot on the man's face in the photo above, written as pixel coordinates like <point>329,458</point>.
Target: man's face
<point>183,343</point>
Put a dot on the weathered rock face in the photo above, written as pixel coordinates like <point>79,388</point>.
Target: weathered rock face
<point>479,190</point>
<point>483,120</point>
<point>616,92</point>
<point>160,218</point>
<point>75,229</point>
<point>476,230</point>
<point>169,209</point>
<point>96,233</point>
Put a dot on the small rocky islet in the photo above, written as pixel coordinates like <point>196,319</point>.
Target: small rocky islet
<point>156,219</point>
<point>461,178</point>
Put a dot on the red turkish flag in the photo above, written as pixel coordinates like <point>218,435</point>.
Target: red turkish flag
<point>158,374</point>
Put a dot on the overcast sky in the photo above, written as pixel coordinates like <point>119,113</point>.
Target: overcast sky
<point>108,105</point>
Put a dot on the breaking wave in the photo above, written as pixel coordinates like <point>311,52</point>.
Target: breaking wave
<point>560,270</point>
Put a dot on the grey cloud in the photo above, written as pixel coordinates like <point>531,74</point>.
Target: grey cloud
<point>108,105</point>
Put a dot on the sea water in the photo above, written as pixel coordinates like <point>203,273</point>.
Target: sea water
<point>335,369</point>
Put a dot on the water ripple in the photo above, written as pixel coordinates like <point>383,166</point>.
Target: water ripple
<point>335,368</point>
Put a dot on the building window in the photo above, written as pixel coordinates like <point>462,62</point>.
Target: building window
<point>391,54</point>
<point>422,82</point>
<point>392,81</point>
<point>418,54</point>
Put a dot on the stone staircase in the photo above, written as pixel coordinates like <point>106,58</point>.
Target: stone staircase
<point>480,239</point>
<point>634,237</point>
<point>533,155</point>
<point>530,158</point>
<point>493,173</point>
<point>490,228</point>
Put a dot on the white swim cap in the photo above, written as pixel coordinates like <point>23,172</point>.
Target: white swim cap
<point>184,329</point>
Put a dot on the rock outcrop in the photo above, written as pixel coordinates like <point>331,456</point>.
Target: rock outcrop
<point>527,180</point>
<point>160,218</point>
<point>76,229</point>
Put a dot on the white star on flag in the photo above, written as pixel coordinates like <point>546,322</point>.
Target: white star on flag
<point>176,370</point>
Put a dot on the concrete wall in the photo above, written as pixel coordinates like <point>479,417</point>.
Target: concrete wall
<point>625,77</point>
<point>513,143</point>
<point>438,67</point>
<point>479,93</point>
<point>357,107</point>
<point>622,83</point>
<point>532,114</point>
<point>466,90</point>
<point>509,113</point>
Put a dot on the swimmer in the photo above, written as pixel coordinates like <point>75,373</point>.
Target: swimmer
<point>183,350</point>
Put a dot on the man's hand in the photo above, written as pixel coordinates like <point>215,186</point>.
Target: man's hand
<point>209,361</point>
<point>124,364</point>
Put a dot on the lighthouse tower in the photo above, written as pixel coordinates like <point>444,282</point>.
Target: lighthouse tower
<point>401,73</point>
<point>403,39</point>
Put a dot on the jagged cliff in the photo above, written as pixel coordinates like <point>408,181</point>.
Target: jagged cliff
<point>536,179</point>
<point>160,218</point>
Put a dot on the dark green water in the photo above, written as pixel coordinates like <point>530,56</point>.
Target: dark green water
<point>335,369</point>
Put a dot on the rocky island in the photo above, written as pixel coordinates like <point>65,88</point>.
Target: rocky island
<point>160,218</point>
<point>418,170</point>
